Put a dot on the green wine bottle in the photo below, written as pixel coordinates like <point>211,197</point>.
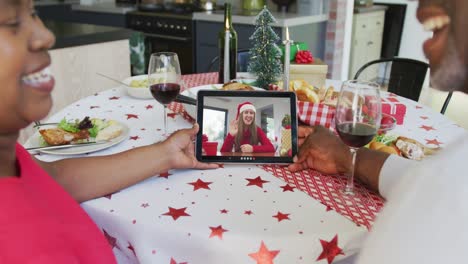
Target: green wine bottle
<point>229,48</point>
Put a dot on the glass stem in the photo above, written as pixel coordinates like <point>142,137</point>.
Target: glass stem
<point>349,189</point>
<point>165,120</point>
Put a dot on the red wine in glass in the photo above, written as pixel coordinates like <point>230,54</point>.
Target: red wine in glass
<point>356,135</point>
<point>165,93</point>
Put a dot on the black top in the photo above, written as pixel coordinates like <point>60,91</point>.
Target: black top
<point>77,34</point>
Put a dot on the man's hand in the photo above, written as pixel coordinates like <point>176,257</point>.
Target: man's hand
<point>321,150</point>
<point>181,149</point>
<point>246,148</point>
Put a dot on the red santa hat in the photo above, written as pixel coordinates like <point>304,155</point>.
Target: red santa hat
<point>245,106</point>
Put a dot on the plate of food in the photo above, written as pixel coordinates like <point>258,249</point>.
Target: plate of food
<point>72,137</point>
<point>231,86</point>
<point>401,146</point>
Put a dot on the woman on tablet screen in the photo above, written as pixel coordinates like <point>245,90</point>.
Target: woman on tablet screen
<point>244,135</point>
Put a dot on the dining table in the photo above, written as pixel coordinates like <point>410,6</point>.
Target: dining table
<point>238,213</point>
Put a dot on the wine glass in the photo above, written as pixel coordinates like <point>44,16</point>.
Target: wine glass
<point>357,118</point>
<point>164,79</point>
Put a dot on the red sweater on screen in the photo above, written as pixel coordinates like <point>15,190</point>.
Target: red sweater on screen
<point>265,143</point>
<point>40,222</point>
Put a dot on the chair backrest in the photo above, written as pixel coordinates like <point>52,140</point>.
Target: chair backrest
<point>406,76</point>
<point>446,102</point>
<point>243,58</point>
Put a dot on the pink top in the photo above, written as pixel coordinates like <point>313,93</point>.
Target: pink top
<point>264,143</point>
<point>41,223</point>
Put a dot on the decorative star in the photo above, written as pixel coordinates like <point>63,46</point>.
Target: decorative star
<point>256,181</point>
<point>281,216</point>
<point>217,231</point>
<point>423,117</point>
<point>199,184</point>
<point>165,175</point>
<point>94,106</point>
<point>264,256</point>
<point>171,115</point>
<point>149,107</point>
<point>174,262</point>
<point>110,239</point>
<point>433,142</point>
<point>427,128</point>
<point>114,98</point>
<point>176,213</point>
<point>130,116</point>
<point>131,248</point>
<point>134,137</point>
<point>287,187</point>
<point>330,250</point>
<point>223,211</point>
<point>248,212</point>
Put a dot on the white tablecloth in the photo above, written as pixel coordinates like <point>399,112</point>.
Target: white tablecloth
<point>235,214</point>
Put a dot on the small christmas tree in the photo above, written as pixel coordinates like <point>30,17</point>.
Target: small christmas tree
<point>265,62</point>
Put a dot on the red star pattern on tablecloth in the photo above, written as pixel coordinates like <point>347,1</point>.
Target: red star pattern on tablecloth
<point>199,184</point>
<point>176,213</point>
<point>248,212</point>
<point>134,137</point>
<point>330,250</point>
<point>114,98</point>
<point>110,239</point>
<point>175,262</point>
<point>427,128</point>
<point>433,142</point>
<point>149,107</point>
<point>217,231</point>
<point>223,211</point>
<point>263,255</point>
<point>424,117</point>
<point>164,175</point>
<point>130,116</point>
<point>131,248</point>
<point>256,181</point>
<point>287,187</point>
<point>280,216</point>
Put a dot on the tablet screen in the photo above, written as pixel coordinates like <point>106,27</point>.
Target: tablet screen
<point>246,126</point>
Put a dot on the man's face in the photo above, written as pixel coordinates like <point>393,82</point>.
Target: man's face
<point>447,49</point>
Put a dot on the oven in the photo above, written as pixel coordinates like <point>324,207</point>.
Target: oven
<point>166,32</point>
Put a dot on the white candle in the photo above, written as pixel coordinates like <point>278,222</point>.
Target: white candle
<point>226,56</point>
<point>287,50</point>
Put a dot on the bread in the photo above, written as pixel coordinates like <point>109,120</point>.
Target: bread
<point>376,145</point>
<point>307,95</point>
<point>110,132</point>
<point>235,86</point>
<point>57,136</point>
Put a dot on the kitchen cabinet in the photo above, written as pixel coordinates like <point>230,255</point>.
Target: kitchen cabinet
<point>302,28</point>
<point>366,41</point>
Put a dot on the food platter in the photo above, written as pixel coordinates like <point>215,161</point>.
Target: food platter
<point>36,141</point>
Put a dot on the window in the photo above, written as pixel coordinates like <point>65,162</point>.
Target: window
<point>215,124</point>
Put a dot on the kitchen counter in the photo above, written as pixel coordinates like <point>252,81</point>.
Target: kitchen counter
<point>283,19</point>
<point>76,34</point>
<point>374,8</point>
<point>110,8</point>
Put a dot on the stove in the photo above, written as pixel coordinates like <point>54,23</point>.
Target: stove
<point>169,29</point>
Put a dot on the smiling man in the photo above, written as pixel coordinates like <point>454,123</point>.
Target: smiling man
<point>424,219</point>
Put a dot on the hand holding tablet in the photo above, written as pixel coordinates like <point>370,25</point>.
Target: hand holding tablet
<point>246,126</point>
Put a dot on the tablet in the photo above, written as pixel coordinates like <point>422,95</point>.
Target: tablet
<point>246,126</point>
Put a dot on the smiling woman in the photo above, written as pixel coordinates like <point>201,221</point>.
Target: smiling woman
<point>41,219</point>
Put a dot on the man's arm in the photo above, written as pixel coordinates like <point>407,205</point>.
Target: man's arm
<point>91,177</point>
<point>323,151</point>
